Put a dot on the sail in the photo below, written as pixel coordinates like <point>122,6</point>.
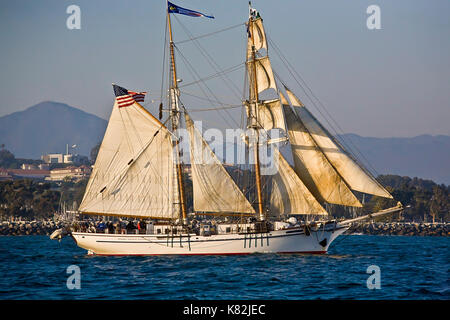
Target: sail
<point>257,37</point>
<point>134,171</point>
<point>357,178</point>
<point>270,115</point>
<point>214,189</point>
<point>288,194</point>
<point>313,168</point>
<point>264,74</point>
<point>283,98</point>
<point>293,98</point>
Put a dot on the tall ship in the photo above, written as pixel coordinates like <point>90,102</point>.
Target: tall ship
<point>295,168</point>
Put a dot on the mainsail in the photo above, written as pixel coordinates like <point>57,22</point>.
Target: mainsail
<point>134,171</point>
<point>214,189</point>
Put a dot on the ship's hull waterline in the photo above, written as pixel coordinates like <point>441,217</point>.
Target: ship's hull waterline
<point>293,240</point>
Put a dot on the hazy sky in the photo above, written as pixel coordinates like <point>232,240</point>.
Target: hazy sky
<point>389,82</point>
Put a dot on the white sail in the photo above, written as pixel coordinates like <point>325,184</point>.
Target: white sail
<point>293,98</point>
<point>214,189</point>
<point>272,126</point>
<point>257,37</point>
<point>283,98</point>
<point>270,115</point>
<point>351,172</point>
<point>264,74</point>
<point>288,194</point>
<point>313,168</point>
<point>134,171</point>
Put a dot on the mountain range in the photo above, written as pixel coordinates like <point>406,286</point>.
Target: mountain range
<point>49,126</point>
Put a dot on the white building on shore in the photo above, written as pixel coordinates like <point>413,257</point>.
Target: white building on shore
<point>74,173</point>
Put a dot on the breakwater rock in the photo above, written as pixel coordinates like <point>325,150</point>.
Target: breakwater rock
<point>46,227</point>
<point>23,228</point>
<point>402,229</point>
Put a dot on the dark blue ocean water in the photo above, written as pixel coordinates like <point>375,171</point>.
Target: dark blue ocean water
<point>34,267</point>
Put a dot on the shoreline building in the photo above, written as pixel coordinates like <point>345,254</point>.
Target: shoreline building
<point>57,158</point>
<point>5,175</point>
<point>32,173</point>
<point>61,157</point>
<point>74,173</point>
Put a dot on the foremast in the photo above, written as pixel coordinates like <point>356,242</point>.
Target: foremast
<point>175,121</point>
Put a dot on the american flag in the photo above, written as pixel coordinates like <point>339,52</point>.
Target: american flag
<point>126,98</point>
<point>138,96</point>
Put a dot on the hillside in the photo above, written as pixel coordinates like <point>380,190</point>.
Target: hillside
<point>47,127</point>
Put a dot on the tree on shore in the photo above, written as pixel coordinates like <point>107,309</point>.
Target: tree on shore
<point>440,204</point>
<point>27,199</point>
<point>7,159</point>
<point>428,200</point>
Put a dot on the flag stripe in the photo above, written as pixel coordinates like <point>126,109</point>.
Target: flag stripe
<point>126,98</point>
<point>121,105</point>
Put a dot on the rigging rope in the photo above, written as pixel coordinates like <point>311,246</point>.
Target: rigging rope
<point>210,60</point>
<point>210,34</point>
<point>192,70</point>
<point>215,109</point>
<point>218,74</point>
<point>208,99</point>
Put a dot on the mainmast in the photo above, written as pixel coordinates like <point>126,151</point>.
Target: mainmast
<point>254,87</point>
<point>175,120</point>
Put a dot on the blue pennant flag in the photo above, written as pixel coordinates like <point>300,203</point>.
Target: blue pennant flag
<point>172,8</point>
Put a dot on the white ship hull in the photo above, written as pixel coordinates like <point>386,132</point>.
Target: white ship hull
<point>293,240</point>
